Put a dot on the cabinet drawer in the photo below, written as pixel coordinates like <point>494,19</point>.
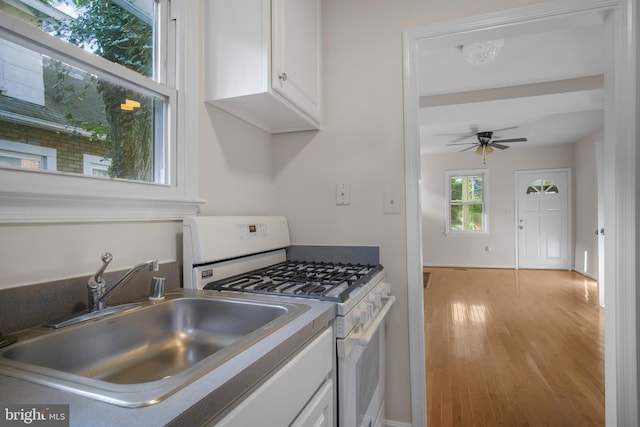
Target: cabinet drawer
<point>295,383</point>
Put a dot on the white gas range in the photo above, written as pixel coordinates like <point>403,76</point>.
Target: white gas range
<point>254,255</point>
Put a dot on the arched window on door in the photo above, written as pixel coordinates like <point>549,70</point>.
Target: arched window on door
<point>542,186</point>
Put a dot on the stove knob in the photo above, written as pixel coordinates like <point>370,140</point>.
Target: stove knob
<point>365,314</point>
<point>359,317</point>
<point>370,311</point>
<point>371,298</point>
<point>377,301</point>
<point>385,289</point>
<point>363,318</point>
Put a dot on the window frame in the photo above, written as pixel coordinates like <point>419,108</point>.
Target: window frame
<point>485,203</point>
<point>44,196</point>
<point>91,162</point>
<point>48,155</point>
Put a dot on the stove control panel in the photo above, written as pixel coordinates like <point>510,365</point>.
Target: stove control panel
<point>253,231</point>
<point>367,309</point>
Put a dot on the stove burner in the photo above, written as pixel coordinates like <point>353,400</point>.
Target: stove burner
<point>318,280</point>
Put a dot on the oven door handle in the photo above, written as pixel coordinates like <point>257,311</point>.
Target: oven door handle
<point>363,338</point>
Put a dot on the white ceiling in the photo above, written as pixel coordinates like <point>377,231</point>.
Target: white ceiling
<point>547,81</point>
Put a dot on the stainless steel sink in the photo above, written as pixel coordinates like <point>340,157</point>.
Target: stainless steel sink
<point>136,358</point>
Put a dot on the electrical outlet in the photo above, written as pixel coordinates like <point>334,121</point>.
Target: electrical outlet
<point>392,200</point>
<point>343,193</point>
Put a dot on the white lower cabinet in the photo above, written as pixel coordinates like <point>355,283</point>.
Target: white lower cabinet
<point>319,412</point>
<point>300,394</point>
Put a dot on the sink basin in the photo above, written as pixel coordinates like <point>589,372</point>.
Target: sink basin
<point>138,357</point>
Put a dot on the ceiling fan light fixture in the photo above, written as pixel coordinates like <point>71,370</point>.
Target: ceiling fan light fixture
<point>483,150</point>
<point>482,52</point>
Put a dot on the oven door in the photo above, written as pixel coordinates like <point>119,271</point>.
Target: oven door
<point>361,362</point>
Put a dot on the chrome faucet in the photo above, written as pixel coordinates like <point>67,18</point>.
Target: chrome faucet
<point>97,286</point>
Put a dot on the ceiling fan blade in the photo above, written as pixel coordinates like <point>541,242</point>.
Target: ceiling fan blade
<point>462,137</point>
<point>511,140</point>
<point>453,134</point>
<point>498,146</point>
<point>462,143</point>
<point>510,127</point>
<point>469,148</point>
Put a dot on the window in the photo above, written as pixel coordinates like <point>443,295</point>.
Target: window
<point>467,202</point>
<point>95,165</point>
<point>50,99</point>
<point>542,186</point>
<point>94,80</point>
<point>27,156</point>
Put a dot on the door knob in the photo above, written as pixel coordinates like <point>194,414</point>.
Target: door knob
<point>521,227</point>
<point>283,77</point>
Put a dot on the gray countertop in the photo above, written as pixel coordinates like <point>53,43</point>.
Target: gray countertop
<point>199,401</point>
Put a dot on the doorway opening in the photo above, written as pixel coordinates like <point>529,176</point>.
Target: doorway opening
<point>618,162</point>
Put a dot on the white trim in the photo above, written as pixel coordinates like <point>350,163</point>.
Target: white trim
<point>388,423</point>
<point>413,217</point>
<point>42,196</point>
<point>50,208</point>
<point>621,393</point>
<point>48,155</point>
<point>485,266</point>
<point>91,162</point>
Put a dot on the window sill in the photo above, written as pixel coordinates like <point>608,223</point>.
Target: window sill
<point>466,234</point>
<point>55,208</point>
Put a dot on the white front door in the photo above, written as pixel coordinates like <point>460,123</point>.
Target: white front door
<point>542,199</point>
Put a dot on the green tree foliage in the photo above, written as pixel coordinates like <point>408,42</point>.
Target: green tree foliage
<point>111,32</point>
<point>466,203</point>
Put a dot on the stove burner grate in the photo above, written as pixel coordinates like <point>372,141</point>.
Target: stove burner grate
<point>318,280</point>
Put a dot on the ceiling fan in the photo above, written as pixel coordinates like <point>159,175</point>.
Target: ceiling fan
<point>486,141</point>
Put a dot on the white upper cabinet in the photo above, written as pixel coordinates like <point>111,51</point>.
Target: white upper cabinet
<point>263,61</point>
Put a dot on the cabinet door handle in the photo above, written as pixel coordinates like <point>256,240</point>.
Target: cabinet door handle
<point>283,77</point>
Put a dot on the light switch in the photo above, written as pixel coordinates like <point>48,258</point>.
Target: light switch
<point>343,193</point>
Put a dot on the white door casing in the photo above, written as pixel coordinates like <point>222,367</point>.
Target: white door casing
<point>621,93</point>
<point>543,218</point>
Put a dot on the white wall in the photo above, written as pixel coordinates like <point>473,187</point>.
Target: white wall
<point>44,252</point>
<point>361,144</point>
<point>585,210</point>
<point>439,250</point>
<point>235,166</point>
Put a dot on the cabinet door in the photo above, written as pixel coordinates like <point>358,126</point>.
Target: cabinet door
<point>319,411</point>
<point>295,383</point>
<point>296,53</point>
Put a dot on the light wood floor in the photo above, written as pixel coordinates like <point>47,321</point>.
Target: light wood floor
<point>513,348</point>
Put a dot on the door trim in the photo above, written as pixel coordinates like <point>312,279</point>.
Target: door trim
<point>569,213</point>
<point>621,392</point>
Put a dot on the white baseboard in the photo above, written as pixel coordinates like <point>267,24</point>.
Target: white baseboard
<point>510,267</point>
<point>389,423</point>
<point>584,273</point>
